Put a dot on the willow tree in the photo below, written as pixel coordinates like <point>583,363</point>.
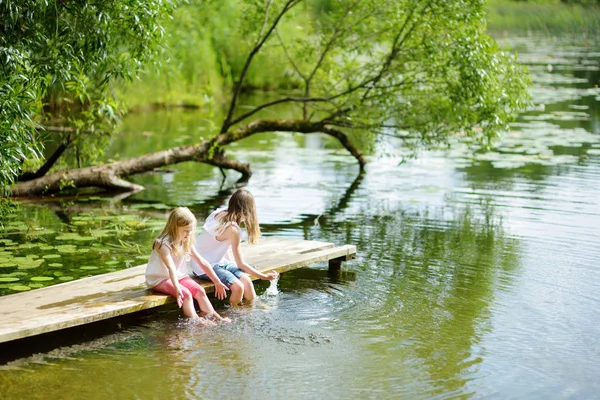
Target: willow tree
<point>58,59</point>
<point>424,71</point>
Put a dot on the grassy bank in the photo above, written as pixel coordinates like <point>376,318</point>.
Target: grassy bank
<point>204,51</point>
<point>549,16</point>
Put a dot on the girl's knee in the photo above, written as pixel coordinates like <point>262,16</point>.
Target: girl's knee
<point>249,293</point>
<point>186,293</point>
<point>200,292</point>
<point>237,287</point>
<point>247,282</point>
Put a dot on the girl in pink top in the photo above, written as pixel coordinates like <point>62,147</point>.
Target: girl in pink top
<point>166,271</point>
<point>219,244</point>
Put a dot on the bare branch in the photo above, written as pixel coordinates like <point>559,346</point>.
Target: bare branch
<point>43,170</point>
<point>287,55</point>
<point>262,29</point>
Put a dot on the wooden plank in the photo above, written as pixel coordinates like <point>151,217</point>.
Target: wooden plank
<point>122,292</point>
<point>268,246</point>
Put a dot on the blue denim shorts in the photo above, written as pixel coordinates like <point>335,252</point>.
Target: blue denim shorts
<point>227,272</point>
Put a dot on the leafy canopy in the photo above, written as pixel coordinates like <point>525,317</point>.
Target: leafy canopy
<point>422,70</point>
<point>57,61</point>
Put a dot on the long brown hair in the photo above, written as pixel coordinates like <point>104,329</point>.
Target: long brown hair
<point>242,207</point>
<point>180,216</point>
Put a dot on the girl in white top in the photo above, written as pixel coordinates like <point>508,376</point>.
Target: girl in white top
<point>167,268</point>
<point>221,238</point>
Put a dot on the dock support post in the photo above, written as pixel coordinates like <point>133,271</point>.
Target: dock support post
<point>335,264</point>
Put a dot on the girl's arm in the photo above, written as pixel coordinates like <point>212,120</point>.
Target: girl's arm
<point>220,288</point>
<point>165,256</point>
<point>239,259</point>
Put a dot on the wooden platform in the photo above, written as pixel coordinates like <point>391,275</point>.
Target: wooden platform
<point>123,292</point>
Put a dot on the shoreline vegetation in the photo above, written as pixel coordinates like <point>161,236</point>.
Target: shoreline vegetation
<point>202,56</point>
<point>550,17</point>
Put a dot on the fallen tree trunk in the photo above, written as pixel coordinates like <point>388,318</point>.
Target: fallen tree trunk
<point>112,176</point>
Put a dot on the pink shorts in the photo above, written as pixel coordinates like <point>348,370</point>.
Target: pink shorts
<point>188,287</point>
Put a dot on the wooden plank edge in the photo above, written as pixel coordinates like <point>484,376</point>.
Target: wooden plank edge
<point>145,301</point>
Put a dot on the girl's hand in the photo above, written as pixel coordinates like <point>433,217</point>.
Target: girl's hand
<point>220,290</point>
<point>271,275</point>
<point>179,296</point>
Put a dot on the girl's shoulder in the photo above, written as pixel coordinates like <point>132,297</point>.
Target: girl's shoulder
<point>213,222</point>
<point>160,242</point>
<point>218,213</point>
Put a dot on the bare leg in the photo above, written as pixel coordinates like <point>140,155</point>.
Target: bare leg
<point>204,302</point>
<point>206,308</point>
<point>249,292</point>
<point>237,292</point>
<point>188,307</point>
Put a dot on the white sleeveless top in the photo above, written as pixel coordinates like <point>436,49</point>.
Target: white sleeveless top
<point>207,244</point>
<point>156,270</point>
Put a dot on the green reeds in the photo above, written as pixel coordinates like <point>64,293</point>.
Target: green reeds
<point>549,17</point>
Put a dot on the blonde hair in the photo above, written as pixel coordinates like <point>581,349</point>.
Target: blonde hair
<point>242,207</point>
<point>179,217</point>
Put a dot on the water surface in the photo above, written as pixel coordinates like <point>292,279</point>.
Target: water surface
<point>476,273</point>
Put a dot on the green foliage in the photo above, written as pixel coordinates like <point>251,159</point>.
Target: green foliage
<point>423,71</point>
<point>553,16</point>
<point>445,76</point>
<point>586,3</point>
<point>58,61</point>
<point>202,53</point>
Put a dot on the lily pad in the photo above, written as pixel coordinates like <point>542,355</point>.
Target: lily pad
<point>28,263</point>
<point>80,223</point>
<point>28,245</point>
<point>75,237</point>
<point>19,288</point>
<point>83,218</point>
<point>48,256</point>
<point>11,279</point>
<point>65,278</point>
<point>55,265</point>
<point>42,278</point>
<point>5,285</point>
<point>88,267</point>
<point>101,233</point>
<point>16,227</point>
<point>66,248</point>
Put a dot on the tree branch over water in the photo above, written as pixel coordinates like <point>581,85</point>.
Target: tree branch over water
<point>424,69</point>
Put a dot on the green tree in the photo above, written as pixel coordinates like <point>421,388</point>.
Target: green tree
<point>424,71</point>
<point>58,59</point>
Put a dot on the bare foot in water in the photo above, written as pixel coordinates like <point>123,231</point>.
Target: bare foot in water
<point>216,317</point>
<point>203,321</point>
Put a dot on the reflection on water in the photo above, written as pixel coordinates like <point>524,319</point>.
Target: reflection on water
<point>476,274</point>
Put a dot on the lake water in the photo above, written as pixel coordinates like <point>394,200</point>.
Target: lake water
<point>476,275</point>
